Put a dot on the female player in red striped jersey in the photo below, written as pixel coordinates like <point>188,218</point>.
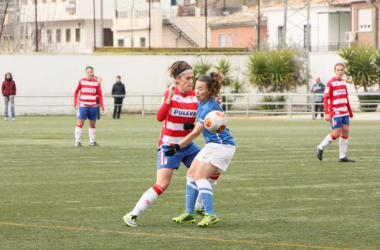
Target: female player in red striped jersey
<point>338,111</point>
<point>178,111</point>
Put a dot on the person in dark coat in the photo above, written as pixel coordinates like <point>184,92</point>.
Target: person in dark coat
<point>9,91</point>
<point>118,93</point>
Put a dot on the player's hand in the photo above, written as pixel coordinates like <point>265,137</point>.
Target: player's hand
<point>172,150</point>
<point>188,126</point>
<point>327,117</point>
<point>102,109</point>
<point>76,106</point>
<point>172,89</point>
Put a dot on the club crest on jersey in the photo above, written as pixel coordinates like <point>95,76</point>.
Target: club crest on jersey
<point>186,113</point>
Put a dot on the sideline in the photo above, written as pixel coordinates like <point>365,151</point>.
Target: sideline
<point>68,228</point>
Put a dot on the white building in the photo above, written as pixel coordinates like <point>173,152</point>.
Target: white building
<point>329,20</point>
<point>65,25</point>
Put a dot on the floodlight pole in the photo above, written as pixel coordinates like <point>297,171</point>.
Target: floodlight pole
<point>206,21</point>
<point>35,14</point>
<point>94,21</point>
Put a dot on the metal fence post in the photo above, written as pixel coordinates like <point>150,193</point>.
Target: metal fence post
<point>143,107</point>
<point>247,107</point>
<point>291,105</point>
<point>313,107</point>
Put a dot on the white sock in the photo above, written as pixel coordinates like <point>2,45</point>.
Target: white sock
<point>92,134</point>
<point>199,203</point>
<point>147,199</point>
<point>78,133</point>
<point>329,139</point>
<point>343,145</point>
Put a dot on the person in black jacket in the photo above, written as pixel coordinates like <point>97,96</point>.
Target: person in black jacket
<point>118,93</point>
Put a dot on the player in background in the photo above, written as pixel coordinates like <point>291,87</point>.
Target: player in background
<point>338,112</point>
<point>178,111</point>
<point>88,90</point>
<point>212,159</point>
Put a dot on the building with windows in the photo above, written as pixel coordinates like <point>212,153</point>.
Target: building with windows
<point>238,30</point>
<point>329,21</point>
<point>60,25</point>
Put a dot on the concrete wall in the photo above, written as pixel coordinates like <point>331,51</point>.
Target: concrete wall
<point>58,75</point>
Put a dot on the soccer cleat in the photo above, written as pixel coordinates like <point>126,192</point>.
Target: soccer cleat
<point>6,119</point>
<point>208,220</point>
<point>319,154</point>
<point>78,144</point>
<point>345,159</point>
<point>200,212</point>
<point>184,218</point>
<point>93,144</point>
<point>13,119</point>
<point>130,220</point>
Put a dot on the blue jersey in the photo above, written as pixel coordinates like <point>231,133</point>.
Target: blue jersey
<point>222,138</point>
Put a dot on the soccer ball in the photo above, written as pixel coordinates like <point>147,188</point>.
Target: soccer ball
<point>215,121</point>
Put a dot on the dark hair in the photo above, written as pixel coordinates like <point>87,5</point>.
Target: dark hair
<point>339,64</point>
<point>9,74</point>
<point>178,68</point>
<point>213,82</point>
<point>89,67</point>
<point>118,77</point>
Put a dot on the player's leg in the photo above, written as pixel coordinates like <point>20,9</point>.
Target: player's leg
<point>81,117</point>
<point>336,124</point>
<point>92,115</point>
<point>343,141</point>
<point>165,167</point>
<point>316,107</point>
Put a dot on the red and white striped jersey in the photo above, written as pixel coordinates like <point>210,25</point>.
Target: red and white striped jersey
<point>182,108</point>
<point>336,98</point>
<point>89,92</point>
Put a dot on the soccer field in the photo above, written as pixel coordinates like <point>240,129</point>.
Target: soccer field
<point>275,195</point>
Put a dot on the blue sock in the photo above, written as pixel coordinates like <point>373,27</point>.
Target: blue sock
<point>205,189</point>
<point>191,195</point>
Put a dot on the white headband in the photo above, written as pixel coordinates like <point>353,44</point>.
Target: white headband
<point>184,72</point>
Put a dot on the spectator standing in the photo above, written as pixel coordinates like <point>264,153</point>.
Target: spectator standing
<point>118,93</point>
<point>9,92</point>
<point>318,88</point>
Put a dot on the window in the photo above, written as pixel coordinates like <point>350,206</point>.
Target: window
<point>142,41</point>
<point>48,34</point>
<point>43,1</point>
<point>58,36</point>
<point>77,35</point>
<point>365,20</point>
<point>173,2</point>
<point>120,43</point>
<point>68,35</point>
<point>222,40</point>
<point>229,40</point>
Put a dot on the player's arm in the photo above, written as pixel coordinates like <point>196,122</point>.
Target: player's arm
<point>327,102</point>
<point>349,107</point>
<point>76,95</point>
<point>100,97</point>
<point>163,111</point>
<point>189,138</point>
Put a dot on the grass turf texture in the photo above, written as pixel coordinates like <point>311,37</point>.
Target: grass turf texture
<point>275,195</point>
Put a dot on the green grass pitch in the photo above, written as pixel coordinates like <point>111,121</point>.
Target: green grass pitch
<point>275,195</point>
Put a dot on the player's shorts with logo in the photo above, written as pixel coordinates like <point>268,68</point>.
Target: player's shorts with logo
<point>185,155</point>
<point>90,113</point>
<point>337,122</point>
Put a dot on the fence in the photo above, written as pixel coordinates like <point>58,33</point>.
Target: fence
<point>290,105</point>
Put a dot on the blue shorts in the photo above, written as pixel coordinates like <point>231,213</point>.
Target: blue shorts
<point>87,112</point>
<point>185,155</point>
<point>337,122</point>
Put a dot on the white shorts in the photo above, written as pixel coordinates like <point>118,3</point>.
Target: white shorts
<point>218,155</point>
